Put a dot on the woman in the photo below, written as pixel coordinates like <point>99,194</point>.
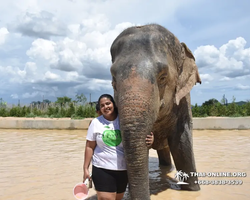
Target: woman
<point>104,147</point>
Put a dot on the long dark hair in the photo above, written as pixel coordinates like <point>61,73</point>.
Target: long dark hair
<point>108,96</point>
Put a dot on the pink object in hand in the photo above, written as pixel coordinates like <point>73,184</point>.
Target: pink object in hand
<point>80,191</point>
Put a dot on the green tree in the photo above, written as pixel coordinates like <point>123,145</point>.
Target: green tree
<point>3,104</point>
<point>63,100</point>
<point>63,112</point>
<point>80,98</point>
<point>248,108</point>
<point>15,111</point>
<point>213,109</point>
<point>204,111</point>
<point>3,112</point>
<point>37,112</point>
<point>71,110</point>
<point>232,108</point>
<point>50,111</point>
<point>24,111</point>
<point>46,101</point>
<point>210,102</point>
<point>79,111</point>
<point>222,110</point>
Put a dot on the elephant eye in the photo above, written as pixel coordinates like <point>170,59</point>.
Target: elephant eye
<point>162,80</point>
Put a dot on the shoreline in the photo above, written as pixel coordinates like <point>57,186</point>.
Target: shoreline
<point>208,123</point>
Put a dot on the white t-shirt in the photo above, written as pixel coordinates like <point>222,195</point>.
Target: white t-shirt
<point>108,153</point>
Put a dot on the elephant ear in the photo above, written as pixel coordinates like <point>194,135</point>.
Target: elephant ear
<point>188,74</point>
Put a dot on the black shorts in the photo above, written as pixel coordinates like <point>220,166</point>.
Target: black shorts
<point>109,180</point>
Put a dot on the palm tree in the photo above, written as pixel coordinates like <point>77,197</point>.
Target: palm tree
<point>185,176</point>
<point>178,175</point>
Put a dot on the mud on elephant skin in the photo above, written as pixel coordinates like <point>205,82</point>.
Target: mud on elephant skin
<point>152,76</point>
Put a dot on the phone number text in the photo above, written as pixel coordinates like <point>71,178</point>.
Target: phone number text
<point>219,182</point>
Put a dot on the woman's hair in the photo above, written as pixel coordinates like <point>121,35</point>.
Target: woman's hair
<point>97,107</point>
<point>108,96</point>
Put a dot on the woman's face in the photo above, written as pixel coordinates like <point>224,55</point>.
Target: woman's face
<point>107,108</point>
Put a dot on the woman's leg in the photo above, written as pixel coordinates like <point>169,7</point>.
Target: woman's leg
<point>109,196</point>
<point>105,183</point>
<point>106,195</point>
<point>109,184</point>
<point>119,196</point>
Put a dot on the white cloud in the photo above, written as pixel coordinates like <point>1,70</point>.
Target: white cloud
<point>231,59</point>
<point>29,95</point>
<point>42,24</point>
<point>97,22</point>
<point>97,84</point>
<point>14,96</point>
<point>225,79</point>
<point>42,48</point>
<point>3,35</point>
<point>28,74</point>
<point>72,76</point>
<point>243,87</point>
<point>9,70</point>
<point>206,77</point>
<point>206,55</point>
<point>54,50</point>
<point>84,51</point>
<point>51,76</point>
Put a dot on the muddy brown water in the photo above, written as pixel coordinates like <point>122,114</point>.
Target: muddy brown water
<point>46,164</point>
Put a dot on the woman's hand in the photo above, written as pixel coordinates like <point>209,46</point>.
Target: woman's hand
<point>150,140</point>
<point>86,175</point>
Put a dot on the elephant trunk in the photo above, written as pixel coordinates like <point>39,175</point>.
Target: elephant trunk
<point>137,114</point>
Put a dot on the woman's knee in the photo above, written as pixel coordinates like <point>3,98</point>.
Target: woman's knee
<point>106,195</point>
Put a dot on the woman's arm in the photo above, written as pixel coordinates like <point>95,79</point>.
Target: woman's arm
<point>89,151</point>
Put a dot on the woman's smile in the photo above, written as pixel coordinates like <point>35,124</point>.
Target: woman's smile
<point>107,109</point>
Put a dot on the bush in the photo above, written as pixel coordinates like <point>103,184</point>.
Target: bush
<point>30,115</point>
<point>4,112</point>
<point>71,110</point>
<point>15,111</point>
<point>79,111</point>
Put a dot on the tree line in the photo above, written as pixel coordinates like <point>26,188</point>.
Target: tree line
<point>62,107</point>
<point>80,108</point>
<point>215,108</point>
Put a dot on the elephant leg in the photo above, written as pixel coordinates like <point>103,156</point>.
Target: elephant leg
<point>165,159</point>
<point>164,156</point>
<point>181,147</point>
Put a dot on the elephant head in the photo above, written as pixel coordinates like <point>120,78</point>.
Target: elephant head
<point>152,75</point>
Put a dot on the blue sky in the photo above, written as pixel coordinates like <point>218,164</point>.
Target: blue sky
<point>58,48</point>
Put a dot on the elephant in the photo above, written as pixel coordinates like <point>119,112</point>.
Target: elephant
<point>152,76</point>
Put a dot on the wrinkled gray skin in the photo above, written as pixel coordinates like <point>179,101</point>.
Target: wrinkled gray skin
<point>153,74</point>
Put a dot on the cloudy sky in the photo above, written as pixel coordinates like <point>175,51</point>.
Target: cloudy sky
<point>55,48</point>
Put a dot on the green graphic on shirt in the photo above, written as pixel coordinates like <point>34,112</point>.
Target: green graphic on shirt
<point>112,138</point>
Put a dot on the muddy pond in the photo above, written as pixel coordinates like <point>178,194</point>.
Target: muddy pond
<point>46,164</point>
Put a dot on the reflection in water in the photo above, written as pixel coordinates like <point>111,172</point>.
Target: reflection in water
<point>46,164</point>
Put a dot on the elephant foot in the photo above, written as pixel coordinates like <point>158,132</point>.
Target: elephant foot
<point>194,187</point>
<point>192,184</point>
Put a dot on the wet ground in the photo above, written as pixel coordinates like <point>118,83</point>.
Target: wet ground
<point>46,164</point>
